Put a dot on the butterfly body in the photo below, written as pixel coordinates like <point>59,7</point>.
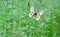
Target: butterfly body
<point>35,14</point>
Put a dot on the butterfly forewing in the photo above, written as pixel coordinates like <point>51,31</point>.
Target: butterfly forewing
<point>32,12</point>
<point>41,12</point>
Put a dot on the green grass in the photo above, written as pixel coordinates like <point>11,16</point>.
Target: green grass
<point>15,21</point>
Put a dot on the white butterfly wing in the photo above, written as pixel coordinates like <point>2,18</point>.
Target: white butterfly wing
<point>37,16</point>
<point>41,12</point>
<point>32,12</point>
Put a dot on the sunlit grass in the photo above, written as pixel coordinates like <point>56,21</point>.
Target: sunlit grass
<point>15,20</point>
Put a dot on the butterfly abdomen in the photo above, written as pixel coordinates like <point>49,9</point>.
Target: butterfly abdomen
<point>35,14</point>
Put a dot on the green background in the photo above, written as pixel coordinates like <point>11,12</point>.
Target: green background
<point>15,21</point>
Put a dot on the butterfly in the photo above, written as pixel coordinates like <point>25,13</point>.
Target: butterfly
<point>34,13</point>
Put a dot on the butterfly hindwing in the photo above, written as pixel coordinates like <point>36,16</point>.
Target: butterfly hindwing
<point>37,16</point>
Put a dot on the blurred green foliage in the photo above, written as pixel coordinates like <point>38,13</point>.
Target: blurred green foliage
<point>15,22</point>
